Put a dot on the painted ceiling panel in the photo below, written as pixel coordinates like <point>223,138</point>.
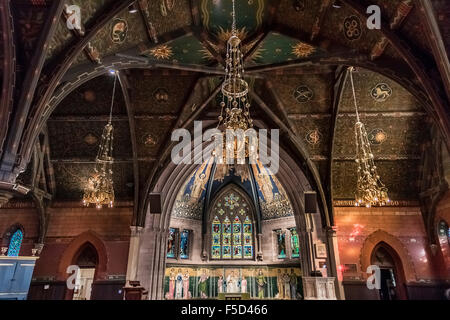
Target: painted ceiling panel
<point>71,179</point>
<point>217,16</point>
<point>92,99</point>
<point>277,48</point>
<point>185,50</point>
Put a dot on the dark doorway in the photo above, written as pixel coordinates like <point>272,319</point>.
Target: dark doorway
<point>392,277</point>
<point>87,261</point>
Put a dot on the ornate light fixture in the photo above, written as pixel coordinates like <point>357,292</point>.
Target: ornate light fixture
<point>100,188</point>
<point>370,191</point>
<point>235,105</point>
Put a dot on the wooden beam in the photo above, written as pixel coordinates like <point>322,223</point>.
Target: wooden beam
<point>8,70</point>
<point>66,59</point>
<point>175,66</point>
<point>124,83</point>
<point>29,85</point>
<point>436,42</point>
<point>403,10</point>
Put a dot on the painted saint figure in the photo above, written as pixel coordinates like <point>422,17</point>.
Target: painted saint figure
<point>293,282</point>
<point>261,283</point>
<point>179,285</point>
<point>171,284</point>
<point>243,285</point>
<point>280,284</point>
<point>220,284</point>
<point>186,293</point>
<point>286,285</point>
<point>232,283</point>
<point>203,285</point>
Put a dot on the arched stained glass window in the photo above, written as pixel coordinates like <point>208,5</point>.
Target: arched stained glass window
<point>231,227</point>
<point>15,243</point>
<point>295,246</point>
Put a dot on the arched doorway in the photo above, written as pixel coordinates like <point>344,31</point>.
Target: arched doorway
<point>392,275</point>
<point>87,261</point>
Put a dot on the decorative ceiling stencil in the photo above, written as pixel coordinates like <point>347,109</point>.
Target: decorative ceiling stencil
<point>381,92</point>
<point>377,136</point>
<point>276,48</point>
<point>163,52</point>
<point>352,28</point>
<point>303,94</point>
<point>161,95</point>
<point>119,30</point>
<point>216,15</point>
<point>314,137</point>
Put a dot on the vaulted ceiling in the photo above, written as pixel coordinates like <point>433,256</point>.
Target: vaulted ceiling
<point>170,55</point>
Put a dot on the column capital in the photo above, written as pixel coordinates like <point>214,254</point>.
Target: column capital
<point>331,231</point>
<point>136,231</point>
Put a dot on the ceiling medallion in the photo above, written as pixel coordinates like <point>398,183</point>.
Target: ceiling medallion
<point>149,140</point>
<point>381,92</point>
<point>303,94</point>
<point>370,191</point>
<point>119,30</point>
<point>302,50</point>
<point>352,28</point>
<point>377,136</point>
<point>99,190</point>
<point>235,105</point>
<point>162,52</point>
<point>90,139</point>
<point>161,95</point>
<point>313,137</point>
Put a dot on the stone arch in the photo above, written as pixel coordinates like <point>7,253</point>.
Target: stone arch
<point>152,254</point>
<point>382,237</point>
<point>76,247</point>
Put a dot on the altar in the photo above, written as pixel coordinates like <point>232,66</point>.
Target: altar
<point>234,296</point>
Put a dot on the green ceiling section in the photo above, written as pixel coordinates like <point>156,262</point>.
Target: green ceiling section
<point>184,50</point>
<point>216,15</point>
<point>277,48</point>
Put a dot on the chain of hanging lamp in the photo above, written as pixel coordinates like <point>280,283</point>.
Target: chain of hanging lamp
<point>370,191</point>
<point>235,105</point>
<point>100,187</point>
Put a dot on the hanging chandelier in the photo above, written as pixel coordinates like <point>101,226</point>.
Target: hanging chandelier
<point>370,191</point>
<point>235,105</point>
<point>100,187</point>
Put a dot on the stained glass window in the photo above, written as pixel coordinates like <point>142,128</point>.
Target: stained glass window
<point>184,244</point>
<point>444,232</point>
<point>15,243</point>
<point>281,244</point>
<point>232,228</point>
<point>295,246</point>
<point>171,243</point>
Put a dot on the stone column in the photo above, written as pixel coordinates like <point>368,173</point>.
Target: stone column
<point>133,254</point>
<point>334,261</point>
<point>259,255</point>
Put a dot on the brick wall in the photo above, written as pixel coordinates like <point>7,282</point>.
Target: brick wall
<point>404,224</point>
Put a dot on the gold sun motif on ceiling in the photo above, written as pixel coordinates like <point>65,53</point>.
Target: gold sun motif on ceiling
<point>302,50</point>
<point>162,52</point>
<point>223,36</point>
